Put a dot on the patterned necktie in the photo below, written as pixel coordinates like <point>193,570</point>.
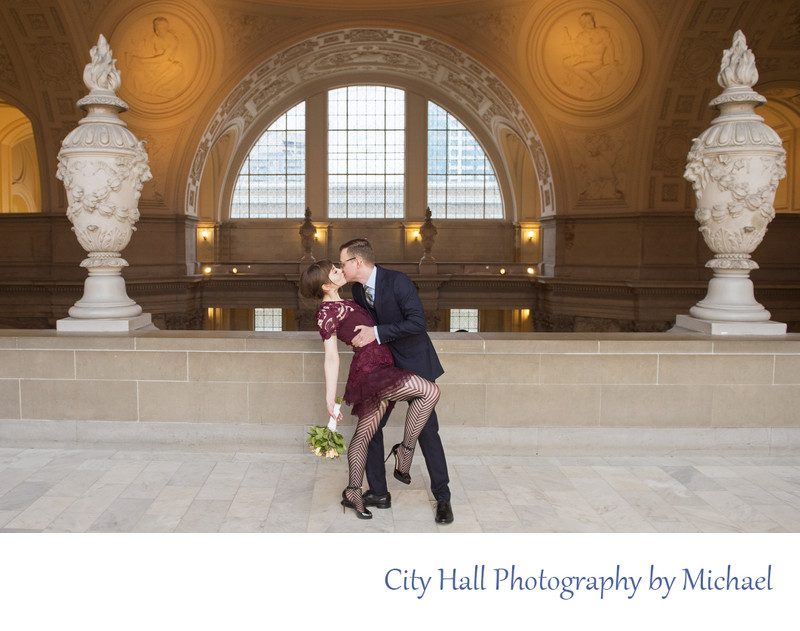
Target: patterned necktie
<point>370,297</point>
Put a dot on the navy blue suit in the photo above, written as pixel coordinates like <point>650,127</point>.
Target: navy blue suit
<point>401,324</point>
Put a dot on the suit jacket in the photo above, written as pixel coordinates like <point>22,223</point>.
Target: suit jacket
<point>401,322</point>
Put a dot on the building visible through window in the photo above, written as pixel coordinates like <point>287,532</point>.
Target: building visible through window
<point>272,180</point>
<point>269,320</point>
<point>366,138</point>
<point>461,182</point>
<point>366,152</point>
<point>464,320</point>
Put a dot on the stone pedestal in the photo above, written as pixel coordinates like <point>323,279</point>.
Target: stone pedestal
<point>106,325</point>
<point>712,327</point>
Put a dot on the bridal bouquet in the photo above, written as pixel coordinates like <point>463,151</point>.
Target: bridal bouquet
<point>326,441</point>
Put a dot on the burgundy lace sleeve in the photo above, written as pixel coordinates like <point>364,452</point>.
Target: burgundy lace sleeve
<point>329,316</point>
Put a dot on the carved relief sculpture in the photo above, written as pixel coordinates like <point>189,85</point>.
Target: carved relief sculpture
<point>586,55</point>
<point>602,168</point>
<point>167,59</point>
<point>103,167</point>
<point>155,64</point>
<point>594,55</point>
<point>735,166</point>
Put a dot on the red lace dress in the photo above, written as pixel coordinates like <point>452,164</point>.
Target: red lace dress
<point>372,371</point>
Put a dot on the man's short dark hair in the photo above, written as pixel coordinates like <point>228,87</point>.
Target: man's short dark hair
<point>360,247</point>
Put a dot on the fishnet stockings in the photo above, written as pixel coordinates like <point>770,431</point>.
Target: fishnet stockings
<point>422,396</point>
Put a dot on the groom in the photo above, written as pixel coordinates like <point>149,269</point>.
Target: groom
<point>394,304</point>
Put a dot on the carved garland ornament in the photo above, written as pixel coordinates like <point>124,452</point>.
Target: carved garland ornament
<point>735,166</point>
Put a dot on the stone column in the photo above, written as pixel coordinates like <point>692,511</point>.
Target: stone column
<point>735,166</point>
<point>103,167</point>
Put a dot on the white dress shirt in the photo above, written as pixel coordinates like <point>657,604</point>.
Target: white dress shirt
<point>371,284</point>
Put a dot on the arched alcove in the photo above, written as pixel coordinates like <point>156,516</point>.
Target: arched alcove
<point>413,62</point>
<point>20,189</point>
<point>219,163</point>
<point>782,113</point>
<point>523,174</point>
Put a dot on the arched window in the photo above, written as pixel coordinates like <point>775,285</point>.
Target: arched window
<point>461,182</point>
<point>272,180</point>
<point>366,138</point>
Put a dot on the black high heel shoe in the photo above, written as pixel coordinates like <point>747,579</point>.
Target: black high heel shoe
<point>346,503</point>
<point>405,478</point>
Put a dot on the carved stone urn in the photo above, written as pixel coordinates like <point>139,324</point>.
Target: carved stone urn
<point>103,167</point>
<point>735,166</point>
<point>427,233</point>
<point>307,232</point>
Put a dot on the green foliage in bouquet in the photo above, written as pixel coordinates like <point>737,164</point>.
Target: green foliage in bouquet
<point>325,442</point>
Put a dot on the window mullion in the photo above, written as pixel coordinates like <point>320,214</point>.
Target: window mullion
<point>317,155</point>
<point>416,157</point>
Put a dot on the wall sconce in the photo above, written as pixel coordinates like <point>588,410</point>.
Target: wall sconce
<point>204,234</point>
<point>502,271</point>
<point>531,234</point>
<point>531,271</point>
<point>412,236</point>
<point>206,270</point>
<point>235,270</point>
<point>320,236</point>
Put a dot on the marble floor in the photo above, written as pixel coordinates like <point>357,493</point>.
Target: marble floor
<point>69,490</point>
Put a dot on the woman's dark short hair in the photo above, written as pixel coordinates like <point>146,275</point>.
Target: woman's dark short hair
<point>360,247</point>
<point>314,277</point>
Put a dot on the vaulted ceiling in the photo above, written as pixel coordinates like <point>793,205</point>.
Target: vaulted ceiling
<point>633,115</point>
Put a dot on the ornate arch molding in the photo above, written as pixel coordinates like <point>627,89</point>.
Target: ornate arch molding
<point>354,53</point>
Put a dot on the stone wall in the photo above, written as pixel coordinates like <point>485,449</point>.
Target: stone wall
<point>501,393</point>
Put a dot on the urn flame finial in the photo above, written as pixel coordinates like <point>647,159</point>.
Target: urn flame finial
<point>101,73</point>
<point>738,67</point>
<point>737,76</point>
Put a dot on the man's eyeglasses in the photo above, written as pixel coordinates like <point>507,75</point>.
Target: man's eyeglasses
<point>340,264</point>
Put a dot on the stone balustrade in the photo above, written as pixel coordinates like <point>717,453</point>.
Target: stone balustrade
<point>536,393</point>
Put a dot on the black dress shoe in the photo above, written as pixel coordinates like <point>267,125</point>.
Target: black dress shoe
<point>378,501</point>
<point>444,512</point>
